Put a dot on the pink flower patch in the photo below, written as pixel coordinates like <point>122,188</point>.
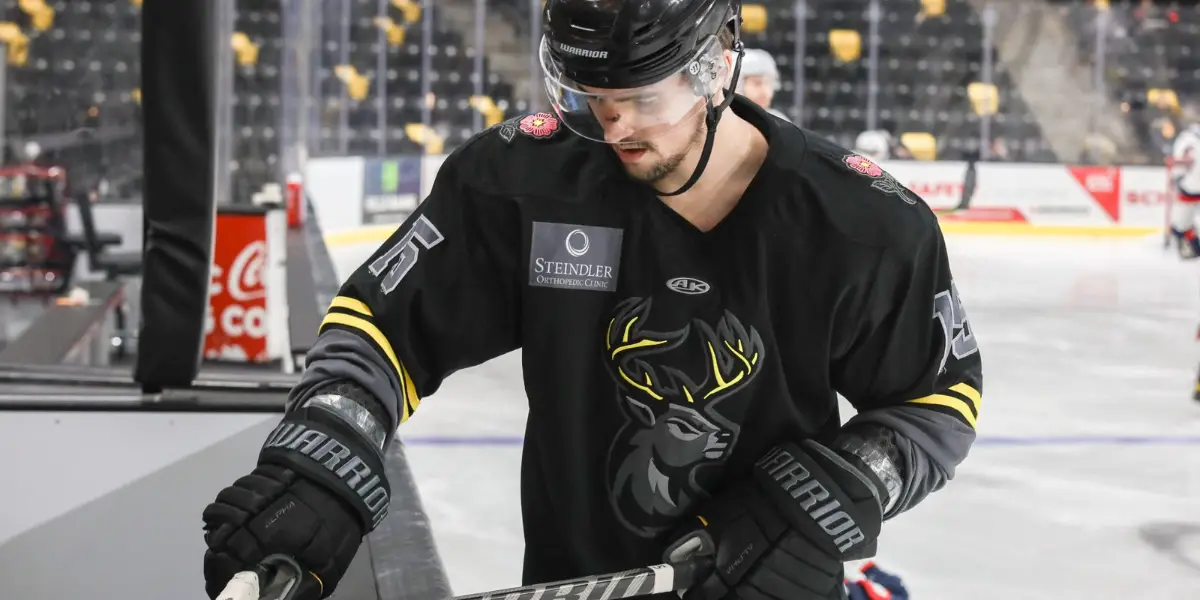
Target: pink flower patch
<point>539,125</point>
<point>863,165</point>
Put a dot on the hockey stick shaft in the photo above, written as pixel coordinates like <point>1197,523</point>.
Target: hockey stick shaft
<point>644,581</point>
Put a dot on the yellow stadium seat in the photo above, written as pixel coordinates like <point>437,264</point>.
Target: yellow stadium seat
<point>426,137</point>
<point>395,32</point>
<point>42,18</point>
<point>487,107</point>
<point>17,42</point>
<point>137,3</point>
<point>357,85</point>
<point>1163,97</point>
<point>410,9</point>
<point>244,50</point>
<point>985,98</point>
<point>345,73</point>
<point>9,31</point>
<point>358,88</point>
<point>846,44</point>
<point>136,95</point>
<point>18,52</point>
<point>754,18</point>
<point>933,8</point>
<point>921,144</point>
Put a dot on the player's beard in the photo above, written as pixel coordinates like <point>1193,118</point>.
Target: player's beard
<point>662,168</point>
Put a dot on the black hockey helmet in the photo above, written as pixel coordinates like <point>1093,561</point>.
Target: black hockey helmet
<point>665,57</point>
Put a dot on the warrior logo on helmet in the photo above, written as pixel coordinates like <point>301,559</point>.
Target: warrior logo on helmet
<point>662,459</point>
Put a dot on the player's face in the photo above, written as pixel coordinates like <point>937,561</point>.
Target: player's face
<point>759,89</point>
<point>650,146</point>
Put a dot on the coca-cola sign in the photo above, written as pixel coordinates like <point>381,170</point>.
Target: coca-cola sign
<point>248,273</point>
<point>236,327</point>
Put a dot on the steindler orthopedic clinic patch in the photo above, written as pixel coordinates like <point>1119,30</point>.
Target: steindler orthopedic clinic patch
<point>574,257</point>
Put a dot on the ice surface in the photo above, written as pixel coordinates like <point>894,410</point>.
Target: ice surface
<point>1085,482</point>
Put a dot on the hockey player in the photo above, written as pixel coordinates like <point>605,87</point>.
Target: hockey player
<point>760,79</point>
<point>1185,170</point>
<point>869,582</point>
<point>875,144</point>
<point>691,284</point>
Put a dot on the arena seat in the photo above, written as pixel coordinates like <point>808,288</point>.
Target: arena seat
<point>1151,60</point>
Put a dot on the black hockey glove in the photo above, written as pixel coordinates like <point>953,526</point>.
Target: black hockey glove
<point>784,533</point>
<point>319,487</point>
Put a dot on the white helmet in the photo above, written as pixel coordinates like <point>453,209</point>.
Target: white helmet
<point>874,144</point>
<point>758,63</point>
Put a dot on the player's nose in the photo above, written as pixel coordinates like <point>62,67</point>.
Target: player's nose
<point>615,122</point>
<point>616,133</point>
<point>616,129</point>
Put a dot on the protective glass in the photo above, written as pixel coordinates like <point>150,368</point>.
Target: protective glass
<point>636,114</point>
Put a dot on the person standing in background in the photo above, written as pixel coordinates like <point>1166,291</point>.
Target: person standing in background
<point>760,80</point>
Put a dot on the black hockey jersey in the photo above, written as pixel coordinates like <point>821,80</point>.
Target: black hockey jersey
<point>660,361</point>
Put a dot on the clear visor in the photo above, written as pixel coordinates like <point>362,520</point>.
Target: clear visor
<point>636,114</point>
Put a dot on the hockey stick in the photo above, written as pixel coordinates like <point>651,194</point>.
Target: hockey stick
<point>655,579</point>
<point>281,572</point>
<point>275,578</point>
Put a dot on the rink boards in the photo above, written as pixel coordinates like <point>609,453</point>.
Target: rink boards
<point>356,199</point>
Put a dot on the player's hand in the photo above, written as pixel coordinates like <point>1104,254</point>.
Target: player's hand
<point>277,510</point>
<point>784,533</point>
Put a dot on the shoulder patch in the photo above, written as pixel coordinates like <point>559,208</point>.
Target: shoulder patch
<point>508,129</point>
<point>883,181</point>
<point>537,125</point>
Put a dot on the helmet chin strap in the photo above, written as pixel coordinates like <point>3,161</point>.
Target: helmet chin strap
<point>711,117</point>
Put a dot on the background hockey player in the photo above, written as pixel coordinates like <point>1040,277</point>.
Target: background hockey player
<point>1185,170</point>
<point>760,79</point>
<point>691,283</point>
<point>875,144</point>
<point>869,582</point>
<point>1185,173</point>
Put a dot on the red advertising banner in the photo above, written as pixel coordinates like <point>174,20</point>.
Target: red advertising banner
<point>1104,186</point>
<point>236,327</point>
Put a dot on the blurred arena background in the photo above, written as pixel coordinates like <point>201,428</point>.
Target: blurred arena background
<point>1010,117</point>
<point>1071,82</point>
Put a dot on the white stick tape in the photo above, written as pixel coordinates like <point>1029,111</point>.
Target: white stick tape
<point>243,586</point>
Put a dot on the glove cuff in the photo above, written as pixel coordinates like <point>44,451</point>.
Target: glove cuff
<point>321,446</point>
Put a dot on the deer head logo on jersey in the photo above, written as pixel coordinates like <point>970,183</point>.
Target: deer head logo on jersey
<point>674,433</point>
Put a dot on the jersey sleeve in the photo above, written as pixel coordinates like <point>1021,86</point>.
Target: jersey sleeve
<point>1184,148</point>
<point>914,367</point>
<point>438,296</point>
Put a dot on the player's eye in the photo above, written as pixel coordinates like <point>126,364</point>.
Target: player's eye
<point>647,103</point>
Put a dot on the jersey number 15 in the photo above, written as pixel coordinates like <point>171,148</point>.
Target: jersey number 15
<point>960,339</point>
